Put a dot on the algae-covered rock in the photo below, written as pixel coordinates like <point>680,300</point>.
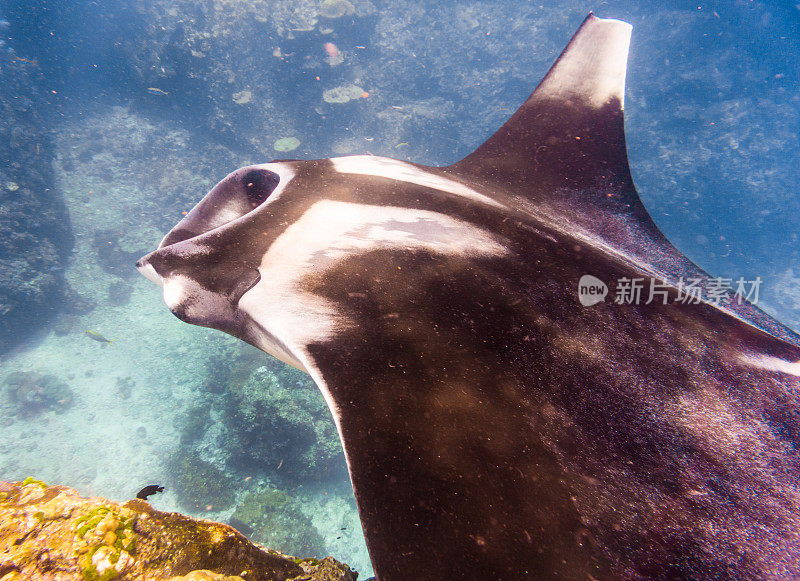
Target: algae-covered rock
<point>206,575</point>
<point>50,532</point>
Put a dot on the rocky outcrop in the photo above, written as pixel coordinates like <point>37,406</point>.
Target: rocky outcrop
<point>34,228</point>
<point>50,532</point>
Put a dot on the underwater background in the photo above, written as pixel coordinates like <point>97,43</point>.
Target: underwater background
<point>118,116</point>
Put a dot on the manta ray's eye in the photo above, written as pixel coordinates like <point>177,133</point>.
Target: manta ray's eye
<point>259,184</point>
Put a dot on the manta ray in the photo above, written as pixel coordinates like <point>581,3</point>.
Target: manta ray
<point>495,425</point>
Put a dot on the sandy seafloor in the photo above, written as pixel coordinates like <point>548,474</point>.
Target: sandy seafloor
<point>96,445</point>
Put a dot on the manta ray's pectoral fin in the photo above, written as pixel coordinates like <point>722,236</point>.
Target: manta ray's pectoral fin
<point>562,156</point>
<point>569,134</point>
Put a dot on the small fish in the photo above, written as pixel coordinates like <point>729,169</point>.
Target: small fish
<point>157,91</point>
<point>24,60</point>
<point>149,490</point>
<point>95,336</point>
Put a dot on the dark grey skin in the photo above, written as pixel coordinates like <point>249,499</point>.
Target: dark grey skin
<point>494,427</point>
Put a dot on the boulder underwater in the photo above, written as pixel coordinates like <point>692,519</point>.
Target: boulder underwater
<point>51,532</point>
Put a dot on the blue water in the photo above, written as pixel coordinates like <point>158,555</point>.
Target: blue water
<point>148,104</point>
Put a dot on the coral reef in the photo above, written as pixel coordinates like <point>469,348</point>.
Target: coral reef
<point>231,366</point>
<point>194,424</point>
<point>335,8</point>
<point>34,392</point>
<point>119,293</point>
<point>241,70</point>
<point>275,520</point>
<point>107,196</point>
<point>50,532</point>
<point>200,485</point>
<point>124,386</point>
<point>279,420</point>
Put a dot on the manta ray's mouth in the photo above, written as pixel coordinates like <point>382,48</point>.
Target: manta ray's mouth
<point>232,287</point>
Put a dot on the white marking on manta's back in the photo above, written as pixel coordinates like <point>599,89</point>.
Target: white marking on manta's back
<point>770,363</point>
<point>394,169</point>
<point>593,66</point>
<point>330,232</point>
